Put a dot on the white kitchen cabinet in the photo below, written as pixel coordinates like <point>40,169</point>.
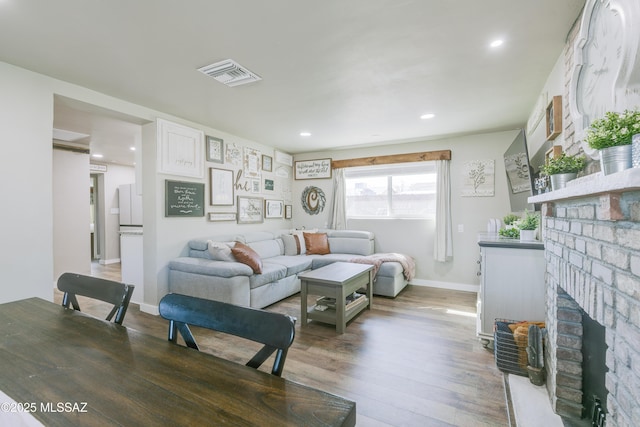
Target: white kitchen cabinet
<point>131,260</point>
<point>511,283</point>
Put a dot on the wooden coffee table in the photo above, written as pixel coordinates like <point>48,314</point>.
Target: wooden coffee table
<point>337,280</point>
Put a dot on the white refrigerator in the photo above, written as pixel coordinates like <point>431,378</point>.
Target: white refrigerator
<point>131,239</point>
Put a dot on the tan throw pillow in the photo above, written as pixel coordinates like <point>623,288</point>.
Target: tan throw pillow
<point>246,255</point>
<point>316,243</point>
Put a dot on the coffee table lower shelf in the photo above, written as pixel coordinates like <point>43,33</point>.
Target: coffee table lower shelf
<point>329,316</point>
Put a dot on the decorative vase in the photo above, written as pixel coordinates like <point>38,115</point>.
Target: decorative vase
<point>527,235</point>
<point>635,150</point>
<point>615,159</point>
<point>560,180</point>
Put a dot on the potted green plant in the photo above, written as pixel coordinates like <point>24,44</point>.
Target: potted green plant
<point>611,136</point>
<point>509,219</point>
<point>563,169</point>
<point>529,225</point>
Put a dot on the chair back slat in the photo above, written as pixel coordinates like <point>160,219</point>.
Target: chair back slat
<point>109,291</point>
<point>276,331</point>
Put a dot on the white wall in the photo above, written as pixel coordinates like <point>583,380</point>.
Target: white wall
<point>415,237</point>
<point>26,217</point>
<point>537,135</point>
<point>71,217</point>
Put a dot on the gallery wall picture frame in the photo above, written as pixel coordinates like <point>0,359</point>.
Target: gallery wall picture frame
<point>288,210</point>
<point>284,158</point>
<point>478,178</point>
<point>268,184</point>
<point>267,163</point>
<point>554,117</point>
<point>273,208</point>
<point>251,165</point>
<point>222,216</point>
<point>184,199</point>
<point>250,210</point>
<point>180,150</point>
<point>221,187</point>
<point>552,153</point>
<point>215,149</point>
<point>312,169</point>
<point>255,186</point>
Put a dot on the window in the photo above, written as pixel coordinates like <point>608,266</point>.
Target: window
<point>403,190</point>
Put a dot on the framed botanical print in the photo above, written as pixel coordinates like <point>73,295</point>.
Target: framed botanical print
<point>215,149</point>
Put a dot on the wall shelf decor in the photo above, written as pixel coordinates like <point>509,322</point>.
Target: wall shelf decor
<point>554,118</point>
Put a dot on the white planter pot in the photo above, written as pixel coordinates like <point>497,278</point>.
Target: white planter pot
<point>527,235</point>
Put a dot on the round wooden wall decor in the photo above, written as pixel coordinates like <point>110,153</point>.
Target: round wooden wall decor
<point>313,200</point>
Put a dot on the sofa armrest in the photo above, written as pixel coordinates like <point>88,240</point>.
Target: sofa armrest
<point>210,267</point>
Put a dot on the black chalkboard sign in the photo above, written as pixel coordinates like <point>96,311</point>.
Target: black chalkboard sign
<point>184,198</point>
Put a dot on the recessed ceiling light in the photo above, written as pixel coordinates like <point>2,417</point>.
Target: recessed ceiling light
<point>132,148</point>
<point>305,133</point>
<point>496,43</point>
<point>427,116</point>
<point>97,156</point>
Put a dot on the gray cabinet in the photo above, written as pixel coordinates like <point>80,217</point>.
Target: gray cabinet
<point>511,283</point>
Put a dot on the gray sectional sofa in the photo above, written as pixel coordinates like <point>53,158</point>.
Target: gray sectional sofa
<point>197,273</point>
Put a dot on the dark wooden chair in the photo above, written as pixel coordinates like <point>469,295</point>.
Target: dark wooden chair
<point>276,331</point>
<point>116,293</point>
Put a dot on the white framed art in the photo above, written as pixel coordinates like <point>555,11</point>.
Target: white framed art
<point>181,150</point>
<point>478,178</point>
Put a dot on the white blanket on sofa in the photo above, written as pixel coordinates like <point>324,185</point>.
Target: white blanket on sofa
<point>407,262</point>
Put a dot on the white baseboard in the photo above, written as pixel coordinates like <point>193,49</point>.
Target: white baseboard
<point>109,261</point>
<point>151,309</point>
<point>446,285</point>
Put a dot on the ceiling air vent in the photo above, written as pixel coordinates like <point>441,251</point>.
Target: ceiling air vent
<point>230,73</point>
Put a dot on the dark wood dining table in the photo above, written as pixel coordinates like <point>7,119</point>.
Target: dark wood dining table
<point>67,368</point>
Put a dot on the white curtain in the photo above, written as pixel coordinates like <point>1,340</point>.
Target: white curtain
<point>338,208</point>
<point>442,247</point>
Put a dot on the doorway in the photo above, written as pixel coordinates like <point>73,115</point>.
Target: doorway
<point>96,225</point>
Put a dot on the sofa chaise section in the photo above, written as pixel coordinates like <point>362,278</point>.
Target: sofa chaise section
<point>199,274</point>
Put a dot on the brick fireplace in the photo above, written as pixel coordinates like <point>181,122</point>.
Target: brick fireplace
<point>591,231</point>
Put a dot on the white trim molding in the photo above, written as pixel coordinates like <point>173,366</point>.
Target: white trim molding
<point>446,285</point>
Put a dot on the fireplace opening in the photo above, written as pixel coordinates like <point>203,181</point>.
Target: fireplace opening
<point>594,369</point>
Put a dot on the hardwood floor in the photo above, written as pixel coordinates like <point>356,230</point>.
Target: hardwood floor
<point>411,361</point>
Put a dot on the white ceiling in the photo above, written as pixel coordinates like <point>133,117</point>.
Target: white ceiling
<point>356,72</point>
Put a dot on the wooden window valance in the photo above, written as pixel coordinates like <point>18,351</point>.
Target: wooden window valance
<point>394,158</point>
